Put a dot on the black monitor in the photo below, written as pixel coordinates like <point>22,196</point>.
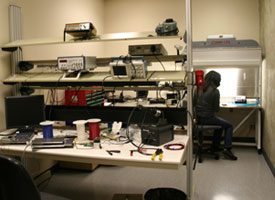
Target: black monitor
<point>24,112</point>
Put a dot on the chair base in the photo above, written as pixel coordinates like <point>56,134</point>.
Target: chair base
<point>208,151</point>
<point>199,134</point>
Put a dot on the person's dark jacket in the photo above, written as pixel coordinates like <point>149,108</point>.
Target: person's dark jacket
<point>207,98</point>
<point>207,103</point>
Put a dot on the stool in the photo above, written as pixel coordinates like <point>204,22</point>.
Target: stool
<point>199,133</point>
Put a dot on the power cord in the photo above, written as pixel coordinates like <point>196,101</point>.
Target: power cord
<point>23,156</point>
<point>140,148</point>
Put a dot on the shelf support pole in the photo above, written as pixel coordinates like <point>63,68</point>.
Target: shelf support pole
<point>188,8</point>
<point>15,34</point>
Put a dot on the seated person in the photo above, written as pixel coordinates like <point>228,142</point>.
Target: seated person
<point>207,103</point>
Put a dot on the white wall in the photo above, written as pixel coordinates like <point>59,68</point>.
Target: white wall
<point>47,18</point>
<point>139,16</point>
<point>267,41</point>
<point>237,17</point>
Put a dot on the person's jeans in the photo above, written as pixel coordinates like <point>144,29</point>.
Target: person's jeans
<point>226,126</point>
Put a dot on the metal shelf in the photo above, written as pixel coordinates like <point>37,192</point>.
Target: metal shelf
<point>101,38</point>
<point>93,79</point>
<point>107,60</point>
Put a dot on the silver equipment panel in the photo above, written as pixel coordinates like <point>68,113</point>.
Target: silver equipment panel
<point>75,63</point>
<point>128,68</point>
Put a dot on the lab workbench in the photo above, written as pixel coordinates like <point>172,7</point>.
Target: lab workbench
<point>250,109</point>
<point>172,159</point>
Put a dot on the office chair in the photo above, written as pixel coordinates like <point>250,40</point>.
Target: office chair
<point>200,130</point>
<point>16,183</point>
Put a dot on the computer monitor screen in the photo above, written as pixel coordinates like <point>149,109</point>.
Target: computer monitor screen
<point>24,111</point>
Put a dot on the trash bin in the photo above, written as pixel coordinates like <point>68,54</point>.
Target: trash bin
<point>164,194</point>
<point>127,197</point>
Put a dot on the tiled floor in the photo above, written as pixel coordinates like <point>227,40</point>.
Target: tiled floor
<point>249,178</point>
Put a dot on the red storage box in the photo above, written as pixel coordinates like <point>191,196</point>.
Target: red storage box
<point>76,97</point>
<point>83,98</point>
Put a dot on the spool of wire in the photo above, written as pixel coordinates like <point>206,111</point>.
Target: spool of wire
<point>94,130</point>
<point>47,127</point>
<point>174,146</point>
<point>80,129</point>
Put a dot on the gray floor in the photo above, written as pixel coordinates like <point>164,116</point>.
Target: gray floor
<point>249,178</point>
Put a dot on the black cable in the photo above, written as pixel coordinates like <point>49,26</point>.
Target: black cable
<point>108,76</point>
<point>160,62</point>
<point>127,129</point>
<point>102,86</point>
<point>127,134</point>
<point>134,67</point>
<point>171,87</point>
<point>29,76</point>
<point>185,92</point>
<point>50,111</point>
<point>151,75</point>
<point>139,147</point>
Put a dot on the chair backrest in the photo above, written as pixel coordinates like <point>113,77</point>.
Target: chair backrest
<point>15,181</point>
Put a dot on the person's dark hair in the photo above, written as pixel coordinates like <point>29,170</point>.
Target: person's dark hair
<point>212,78</point>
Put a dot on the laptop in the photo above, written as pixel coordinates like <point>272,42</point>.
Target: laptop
<point>42,143</point>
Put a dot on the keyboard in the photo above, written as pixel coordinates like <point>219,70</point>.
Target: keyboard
<point>18,138</point>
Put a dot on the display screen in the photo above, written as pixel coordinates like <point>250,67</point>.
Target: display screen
<point>24,111</point>
<point>120,70</point>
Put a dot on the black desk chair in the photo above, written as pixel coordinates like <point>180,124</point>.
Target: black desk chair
<point>199,131</point>
<point>16,183</point>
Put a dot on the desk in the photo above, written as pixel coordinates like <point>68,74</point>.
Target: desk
<point>171,159</point>
<point>254,108</point>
